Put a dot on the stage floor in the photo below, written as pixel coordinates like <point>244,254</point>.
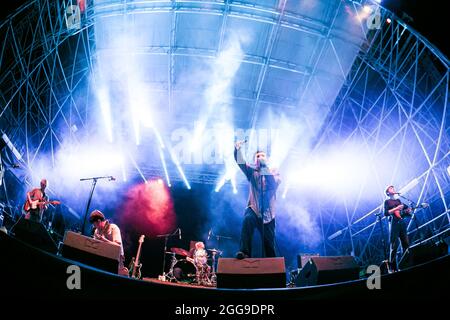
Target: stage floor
<point>23,268</point>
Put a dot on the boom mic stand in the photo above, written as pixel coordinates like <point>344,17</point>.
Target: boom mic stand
<point>218,237</point>
<point>383,242</point>
<point>94,183</point>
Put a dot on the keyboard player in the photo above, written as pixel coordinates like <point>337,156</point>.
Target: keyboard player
<point>107,232</point>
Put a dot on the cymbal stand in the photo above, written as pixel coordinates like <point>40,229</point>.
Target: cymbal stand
<point>173,262</point>
<point>170,276</point>
<point>218,237</point>
<point>213,273</point>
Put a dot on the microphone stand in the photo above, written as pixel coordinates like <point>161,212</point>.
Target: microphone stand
<point>262,172</point>
<point>94,183</point>
<point>218,237</point>
<point>413,216</point>
<point>383,242</point>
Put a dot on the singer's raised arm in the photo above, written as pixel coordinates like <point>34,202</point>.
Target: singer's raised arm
<point>246,169</point>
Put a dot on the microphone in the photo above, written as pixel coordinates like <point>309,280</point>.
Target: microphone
<point>179,233</point>
<point>397,193</point>
<point>16,165</point>
<point>111,178</point>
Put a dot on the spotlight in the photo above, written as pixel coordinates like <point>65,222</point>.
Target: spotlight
<point>220,184</point>
<point>105,106</point>
<point>163,160</point>
<point>388,20</point>
<point>180,170</point>
<point>160,181</point>
<point>367,9</point>
<point>233,184</point>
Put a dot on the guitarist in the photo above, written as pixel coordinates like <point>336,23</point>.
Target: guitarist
<point>393,208</point>
<point>33,195</point>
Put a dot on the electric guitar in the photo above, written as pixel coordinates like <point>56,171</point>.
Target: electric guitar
<point>35,204</point>
<point>407,213</point>
<point>135,265</point>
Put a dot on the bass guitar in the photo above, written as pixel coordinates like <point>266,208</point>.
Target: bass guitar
<point>135,265</point>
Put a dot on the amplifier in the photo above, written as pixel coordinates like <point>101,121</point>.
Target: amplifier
<point>91,251</point>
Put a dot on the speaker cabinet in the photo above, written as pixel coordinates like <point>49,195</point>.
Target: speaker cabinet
<point>325,270</point>
<point>95,253</point>
<point>423,253</point>
<point>90,259</point>
<point>35,234</point>
<point>251,273</point>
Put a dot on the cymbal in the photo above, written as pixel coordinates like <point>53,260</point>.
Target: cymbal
<point>214,251</point>
<point>180,251</point>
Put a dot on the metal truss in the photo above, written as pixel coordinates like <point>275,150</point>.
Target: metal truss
<point>395,92</point>
<point>395,99</point>
<point>46,65</point>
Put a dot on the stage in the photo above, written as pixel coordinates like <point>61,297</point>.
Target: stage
<point>313,132</point>
<point>29,270</point>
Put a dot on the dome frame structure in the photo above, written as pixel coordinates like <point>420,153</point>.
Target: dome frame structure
<point>313,62</point>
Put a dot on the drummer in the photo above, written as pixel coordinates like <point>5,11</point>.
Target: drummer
<point>200,260</point>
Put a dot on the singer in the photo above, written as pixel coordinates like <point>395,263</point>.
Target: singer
<point>260,211</point>
<point>393,208</point>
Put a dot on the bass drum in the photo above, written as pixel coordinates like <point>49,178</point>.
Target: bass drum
<point>184,271</point>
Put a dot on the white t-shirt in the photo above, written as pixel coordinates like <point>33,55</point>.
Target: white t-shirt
<point>112,234</point>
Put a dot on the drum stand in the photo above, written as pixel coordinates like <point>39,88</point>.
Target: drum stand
<point>213,272</point>
<point>214,252</point>
<point>202,276</point>
<point>169,276</point>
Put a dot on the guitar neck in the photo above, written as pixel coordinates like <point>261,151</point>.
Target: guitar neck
<point>138,255</point>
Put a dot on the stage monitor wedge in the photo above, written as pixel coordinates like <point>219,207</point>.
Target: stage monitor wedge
<point>251,273</point>
<point>326,270</point>
<point>35,234</point>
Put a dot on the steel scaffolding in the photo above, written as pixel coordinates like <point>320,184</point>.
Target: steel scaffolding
<point>394,97</point>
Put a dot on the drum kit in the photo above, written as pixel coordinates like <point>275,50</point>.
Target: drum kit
<point>195,267</point>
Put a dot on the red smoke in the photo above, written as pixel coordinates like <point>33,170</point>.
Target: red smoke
<point>148,209</point>
<point>82,5</point>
